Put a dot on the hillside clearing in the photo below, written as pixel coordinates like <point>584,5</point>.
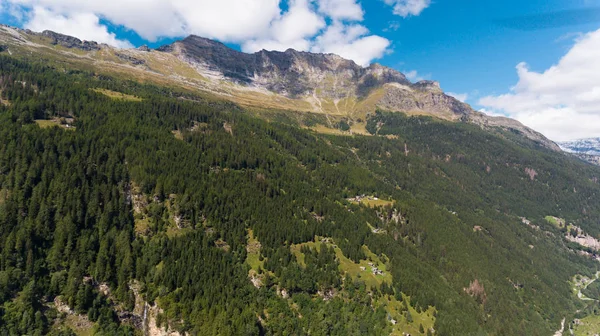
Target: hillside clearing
<point>118,95</point>
<point>43,123</point>
<point>372,271</point>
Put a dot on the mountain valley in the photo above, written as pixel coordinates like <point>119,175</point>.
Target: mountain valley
<point>197,190</point>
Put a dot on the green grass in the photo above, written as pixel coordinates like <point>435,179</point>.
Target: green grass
<point>118,95</point>
<point>397,311</point>
<point>174,232</point>
<point>42,123</point>
<point>589,326</point>
<point>46,123</point>
<point>79,324</point>
<point>178,135</point>
<point>350,267</point>
<point>253,252</point>
<point>372,203</point>
<point>142,225</point>
<point>322,129</point>
<point>557,222</point>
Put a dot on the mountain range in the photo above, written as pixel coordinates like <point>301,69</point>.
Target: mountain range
<point>586,149</point>
<point>197,190</point>
<point>290,80</point>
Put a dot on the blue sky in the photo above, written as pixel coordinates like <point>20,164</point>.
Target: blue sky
<point>471,47</point>
<point>460,43</point>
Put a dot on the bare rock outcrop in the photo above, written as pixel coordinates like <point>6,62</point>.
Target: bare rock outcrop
<point>70,42</point>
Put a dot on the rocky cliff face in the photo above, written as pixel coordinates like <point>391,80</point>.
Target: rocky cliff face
<point>290,73</point>
<point>327,79</point>
<point>70,42</point>
<point>319,77</point>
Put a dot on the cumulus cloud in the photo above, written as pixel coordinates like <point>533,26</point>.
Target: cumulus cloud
<point>82,25</point>
<point>341,9</point>
<point>563,102</point>
<point>352,42</point>
<point>460,96</point>
<point>294,30</point>
<point>415,76</point>
<point>407,8</point>
<point>254,24</point>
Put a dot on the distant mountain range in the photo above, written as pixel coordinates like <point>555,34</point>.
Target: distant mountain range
<point>583,146</point>
<point>291,80</point>
<point>586,149</point>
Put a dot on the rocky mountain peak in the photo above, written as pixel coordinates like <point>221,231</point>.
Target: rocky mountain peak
<point>428,85</point>
<point>70,41</point>
<point>291,73</point>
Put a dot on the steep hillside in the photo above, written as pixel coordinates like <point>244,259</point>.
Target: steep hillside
<point>291,80</point>
<point>135,208</point>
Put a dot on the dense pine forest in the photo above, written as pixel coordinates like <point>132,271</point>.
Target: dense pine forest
<point>236,222</point>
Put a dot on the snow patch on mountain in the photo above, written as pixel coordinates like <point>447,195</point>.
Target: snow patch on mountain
<point>583,146</point>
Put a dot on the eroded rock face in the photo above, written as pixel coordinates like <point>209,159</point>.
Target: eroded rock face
<point>328,77</point>
<point>70,42</point>
<point>486,121</point>
<point>423,97</point>
<point>291,73</point>
<point>130,59</point>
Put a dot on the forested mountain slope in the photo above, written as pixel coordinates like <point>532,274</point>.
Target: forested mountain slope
<point>128,207</point>
<point>325,84</point>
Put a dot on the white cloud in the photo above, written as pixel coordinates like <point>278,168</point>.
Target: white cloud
<point>229,20</point>
<point>406,8</point>
<point>294,30</point>
<point>415,76</point>
<point>254,24</point>
<point>341,9</point>
<point>81,25</point>
<point>492,112</point>
<point>563,102</point>
<point>392,26</point>
<point>460,96</point>
<point>351,41</point>
<point>412,75</point>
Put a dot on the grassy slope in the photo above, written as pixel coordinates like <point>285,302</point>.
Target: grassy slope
<point>363,271</point>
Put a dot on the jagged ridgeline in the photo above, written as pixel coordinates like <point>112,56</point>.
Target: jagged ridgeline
<point>132,208</point>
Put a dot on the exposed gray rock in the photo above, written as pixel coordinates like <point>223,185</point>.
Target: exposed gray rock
<point>486,121</point>
<point>424,96</point>
<point>144,48</point>
<point>296,74</point>
<point>291,73</point>
<point>593,159</point>
<point>130,59</point>
<point>70,42</point>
